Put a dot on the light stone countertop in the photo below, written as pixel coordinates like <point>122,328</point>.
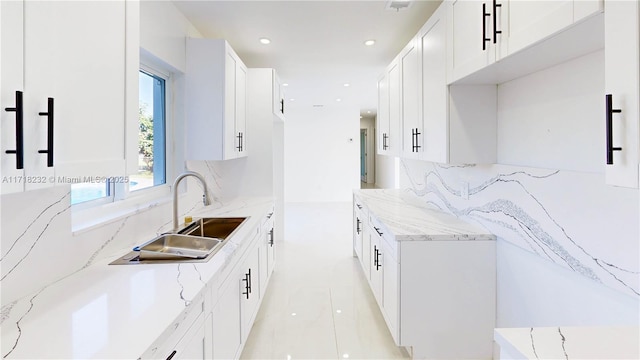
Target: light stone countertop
<point>606,342</point>
<point>119,311</point>
<point>409,220</point>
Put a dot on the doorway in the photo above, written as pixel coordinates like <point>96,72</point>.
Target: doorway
<point>363,155</point>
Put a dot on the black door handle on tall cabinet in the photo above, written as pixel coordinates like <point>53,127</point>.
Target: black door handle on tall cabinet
<point>19,151</point>
<point>49,115</point>
<point>609,128</point>
<point>495,21</point>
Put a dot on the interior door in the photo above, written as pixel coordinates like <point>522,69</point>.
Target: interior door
<point>363,155</point>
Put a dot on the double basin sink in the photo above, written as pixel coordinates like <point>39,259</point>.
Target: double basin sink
<point>196,242</point>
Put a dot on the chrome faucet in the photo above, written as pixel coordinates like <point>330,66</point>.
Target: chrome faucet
<point>205,196</point>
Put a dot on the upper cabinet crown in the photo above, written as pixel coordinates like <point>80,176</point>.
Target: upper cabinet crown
<point>216,99</point>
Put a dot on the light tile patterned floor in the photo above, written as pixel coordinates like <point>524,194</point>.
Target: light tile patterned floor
<point>318,304</point>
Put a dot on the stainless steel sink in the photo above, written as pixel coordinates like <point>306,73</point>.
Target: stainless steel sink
<point>177,246</point>
<point>196,242</point>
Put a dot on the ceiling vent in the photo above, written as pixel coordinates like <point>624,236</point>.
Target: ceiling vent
<point>398,4</point>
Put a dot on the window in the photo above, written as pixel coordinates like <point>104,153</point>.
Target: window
<point>152,144</point>
<point>151,138</point>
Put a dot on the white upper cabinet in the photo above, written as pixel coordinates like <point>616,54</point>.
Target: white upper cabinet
<point>471,36</point>
<point>411,129</point>
<point>389,110</point>
<point>216,85</point>
<point>484,34</point>
<point>622,80</point>
<point>73,88</point>
<point>278,97</point>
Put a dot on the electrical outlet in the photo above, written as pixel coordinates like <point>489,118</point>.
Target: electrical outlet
<point>464,190</point>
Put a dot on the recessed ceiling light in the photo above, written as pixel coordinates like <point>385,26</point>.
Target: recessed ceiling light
<point>370,42</point>
<point>368,112</point>
<point>292,99</point>
<point>360,116</point>
<point>265,41</point>
<point>346,84</point>
<point>338,99</point>
<point>285,84</point>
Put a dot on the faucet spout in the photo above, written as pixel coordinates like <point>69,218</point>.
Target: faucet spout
<point>205,197</point>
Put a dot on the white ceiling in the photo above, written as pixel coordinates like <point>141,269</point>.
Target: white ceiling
<point>316,46</point>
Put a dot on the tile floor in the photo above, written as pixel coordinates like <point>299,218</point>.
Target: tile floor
<point>318,304</point>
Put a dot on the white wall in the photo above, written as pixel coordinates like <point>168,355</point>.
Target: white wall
<point>568,244</point>
<point>386,172</point>
<point>321,153</point>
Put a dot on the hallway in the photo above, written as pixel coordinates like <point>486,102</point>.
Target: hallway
<point>318,304</point>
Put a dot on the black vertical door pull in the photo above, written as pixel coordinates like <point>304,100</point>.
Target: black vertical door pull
<point>246,285</point>
<point>609,128</point>
<point>375,256</point>
<point>357,226</point>
<point>282,106</point>
<point>271,237</point>
<point>249,274</point>
<point>239,147</point>
<point>484,27</point>
<point>49,115</point>
<point>19,151</point>
<point>413,140</point>
<point>495,21</point>
<point>416,146</point>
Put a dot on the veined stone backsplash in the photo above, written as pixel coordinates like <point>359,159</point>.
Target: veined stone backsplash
<point>572,219</point>
<point>38,247</point>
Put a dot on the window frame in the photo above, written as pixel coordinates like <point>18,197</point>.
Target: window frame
<point>122,200</point>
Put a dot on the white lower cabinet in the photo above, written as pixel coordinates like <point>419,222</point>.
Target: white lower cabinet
<point>249,290</point>
<point>227,329</point>
<point>193,344</point>
<point>436,297</point>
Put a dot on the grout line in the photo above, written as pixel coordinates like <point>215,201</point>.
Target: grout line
<point>333,319</point>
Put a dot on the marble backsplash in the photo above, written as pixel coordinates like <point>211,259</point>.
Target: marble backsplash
<point>569,218</point>
<point>38,246</point>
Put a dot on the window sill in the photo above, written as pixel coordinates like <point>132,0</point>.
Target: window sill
<point>84,220</point>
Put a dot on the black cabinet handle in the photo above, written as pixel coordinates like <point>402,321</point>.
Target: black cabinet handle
<point>240,146</point>
<point>359,206</point>
<point>271,237</point>
<point>358,226</point>
<point>385,137</point>
<point>269,215</point>
<point>172,355</point>
<point>378,231</point>
<point>375,256</point>
<point>609,128</point>
<point>484,27</point>
<point>19,151</point>
<point>247,284</point>
<point>49,115</point>
<point>282,106</point>
<point>414,140</point>
<point>495,21</point>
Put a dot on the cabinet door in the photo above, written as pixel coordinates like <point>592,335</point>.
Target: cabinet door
<point>470,51</point>
<point>382,120</point>
<point>527,22</point>
<point>395,94</point>
<point>390,291</point>
<point>357,233</point>
<point>621,82</point>
<point>412,132</point>
<point>365,259</point>
<point>227,329</point>
<point>249,290</point>
<point>278,97</point>
<point>231,136</point>
<point>75,54</point>
<point>271,249</point>
<point>192,345</point>
<point>376,267</point>
<point>435,103</point>
<point>241,107</point>
<point>11,75</point>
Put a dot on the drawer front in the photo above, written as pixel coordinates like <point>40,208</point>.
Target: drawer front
<point>386,235</point>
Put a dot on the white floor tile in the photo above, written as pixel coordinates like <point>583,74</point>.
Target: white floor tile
<point>318,279</point>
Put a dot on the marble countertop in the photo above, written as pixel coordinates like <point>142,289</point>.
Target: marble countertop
<point>96,312</point>
<point>570,342</point>
<point>409,220</point>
